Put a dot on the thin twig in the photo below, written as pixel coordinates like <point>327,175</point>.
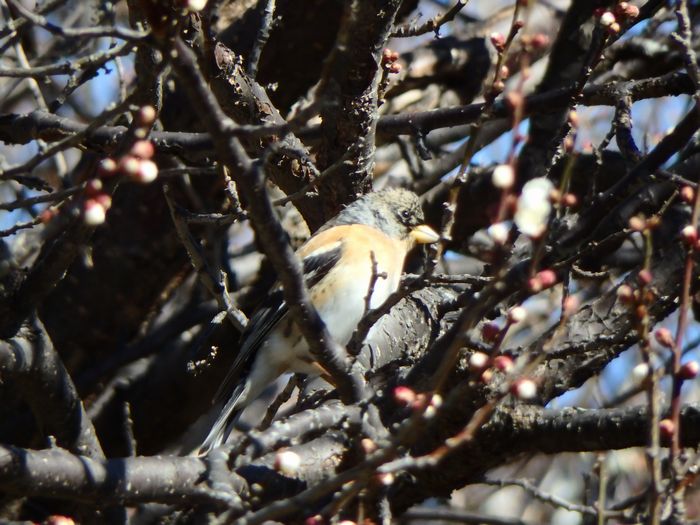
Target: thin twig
<point>123,33</point>
<point>216,288</point>
<point>261,38</point>
<point>432,25</point>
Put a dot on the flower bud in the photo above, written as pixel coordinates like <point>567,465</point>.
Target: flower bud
<point>195,5</point>
<point>517,314</point>
<point>146,115</point>
<point>687,194</point>
<point>637,223</point>
<point>93,187</point>
<point>107,168</point>
<point>104,199</point>
<point>524,389</point>
<point>404,396</point>
<point>689,370</point>
<point>625,293</point>
<point>645,277</point>
<point>94,213</point>
<point>490,332</point>
<point>478,361</point>
<point>640,372</point>
<point>689,234</point>
<point>143,149</point>
<point>569,200</point>
<point>499,232</point>
<point>503,176</point>
<point>607,19</point>
<point>368,446</point>
<point>498,40</point>
<point>287,462</point>
<point>539,41</point>
<point>129,165</point>
<point>57,519</point>
<point>664,337</point>
<point>147,172</point>
<point>503,363</point>
<point>667,428</point>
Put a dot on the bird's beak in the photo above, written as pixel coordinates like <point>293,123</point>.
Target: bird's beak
<point>424,234</point>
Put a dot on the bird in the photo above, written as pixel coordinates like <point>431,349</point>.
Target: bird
<point>360,250</point>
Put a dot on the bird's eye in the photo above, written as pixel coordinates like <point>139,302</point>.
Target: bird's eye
<point>405,214</point>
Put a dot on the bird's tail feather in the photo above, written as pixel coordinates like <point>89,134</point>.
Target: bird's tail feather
<point>227,417</point>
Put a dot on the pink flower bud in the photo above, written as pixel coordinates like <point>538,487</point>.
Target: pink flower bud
<point>385,478</point>
<point>107,168</point>
<point>548,278</point>
<point>664,337</point>
<point>104,200</point>
<point>503,176</point>
<point>539,41</point>
<point>524,389</point>
<point>94,213</point>
<point>195,5</point>
<point>625,293</point>
<point>146,115</point>
<point>517,314</point>
<point>689,234</point>
<point>147,172</point>
<point>569,200</point>
<point>287,462</point>
<point>498,40</point>
<point>368,446</point>
<point>93,187</point>
<point>645,277</point>
<point>490,332</point>
<point>503,363</point>
<point>640,372</point>
<point>143,149</point>
<point>59,520</point>
<point>607,19</point>
<point>637,223</point>
<point>667,428</point>
<point>687,194</point>
<point>534,284</point>
<point>631,11</point>
<point>404,396</point>
<point>478,361</point>
<point>689,370</point>
<point>48,214</point>
<point>498,232</point>
<point>129,165</point>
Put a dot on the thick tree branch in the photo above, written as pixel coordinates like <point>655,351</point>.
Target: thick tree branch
<point>57,473</point>
<point>23,128</point>
<point>30,361</point>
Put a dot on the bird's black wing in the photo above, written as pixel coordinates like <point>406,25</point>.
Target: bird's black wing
<point>315,266</point>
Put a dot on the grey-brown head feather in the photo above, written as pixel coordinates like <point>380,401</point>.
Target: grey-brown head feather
<point>394,211</point>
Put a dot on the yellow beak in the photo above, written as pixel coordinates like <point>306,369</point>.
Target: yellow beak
<point>424,234</point>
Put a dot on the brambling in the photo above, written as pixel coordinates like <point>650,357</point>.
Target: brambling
<point>367,241</point>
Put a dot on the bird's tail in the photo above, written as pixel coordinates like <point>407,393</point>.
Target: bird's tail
<point>225,421</point>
